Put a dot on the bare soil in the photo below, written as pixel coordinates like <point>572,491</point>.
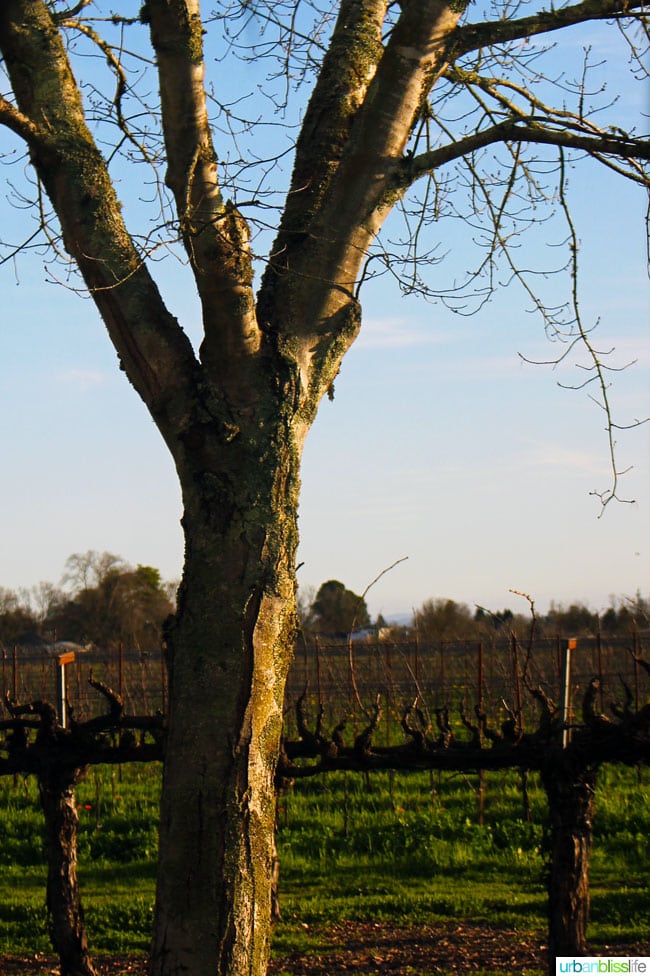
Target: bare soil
<point>373,949</point>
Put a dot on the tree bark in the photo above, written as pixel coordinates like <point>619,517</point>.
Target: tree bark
<point>570,794</point>
<point>67,928</point>
<point>229,650</point>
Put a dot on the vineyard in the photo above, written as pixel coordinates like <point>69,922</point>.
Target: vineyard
<point>555,710</point>
<point>344,678</point>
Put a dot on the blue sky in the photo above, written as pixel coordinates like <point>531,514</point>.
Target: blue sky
<point>441,444</point>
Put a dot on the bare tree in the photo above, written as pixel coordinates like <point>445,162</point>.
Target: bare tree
<point>409,102</point>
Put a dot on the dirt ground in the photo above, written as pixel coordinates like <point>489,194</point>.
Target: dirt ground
<point>379,949</point>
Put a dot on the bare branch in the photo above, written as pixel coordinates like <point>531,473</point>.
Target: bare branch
<point>363,742</point>
<point>348,68</point>
<point>596,362</point>
<point>152,347</point>
<point>471,37</point>
<point>512,131</point>
<point>19,123</point>
<point>63,15</point>
<point>353,673</point>
<point>215,235</point>
<point>115,701</point>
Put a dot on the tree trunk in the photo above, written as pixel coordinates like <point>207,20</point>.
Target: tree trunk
<point>570,795</point>
<point>276,913</point>
<point>229,649</point>
<point>67,928</point>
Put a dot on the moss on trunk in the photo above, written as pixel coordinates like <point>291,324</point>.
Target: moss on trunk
<point>229,649</point>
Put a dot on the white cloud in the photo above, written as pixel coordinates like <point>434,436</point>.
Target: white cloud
<point>397,333</point>
<point>551,456</point>
<point>82,379</point>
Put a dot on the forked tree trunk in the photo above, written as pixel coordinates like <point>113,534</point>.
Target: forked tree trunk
<point>67,928</point>
<point>228,651</point>
<point>570,794</point>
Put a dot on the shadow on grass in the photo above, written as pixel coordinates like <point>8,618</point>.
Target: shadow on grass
<point>370,893</point>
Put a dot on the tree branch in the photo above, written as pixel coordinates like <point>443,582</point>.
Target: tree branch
<point>153,350</point>
<point>322,275</point>
<point>532,132</point>
<point>20,124</point>
<point>413,59</point>
<point>471,37</point>
<point>348,67</point>
<point>215,235</point>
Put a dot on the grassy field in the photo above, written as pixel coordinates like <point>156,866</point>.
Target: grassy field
<point>403,849</point>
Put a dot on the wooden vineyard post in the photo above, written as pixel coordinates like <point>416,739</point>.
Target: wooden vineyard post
<point>566,691</point>
<point>519,716</point>
<point>479,709</point>
<point>62,685</point>
<point>599,653</point>
<point>163,681</point>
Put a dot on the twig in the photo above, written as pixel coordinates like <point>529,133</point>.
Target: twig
<point>360,602</point>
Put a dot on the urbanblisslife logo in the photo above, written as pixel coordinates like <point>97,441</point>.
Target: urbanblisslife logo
<point>602,964</point>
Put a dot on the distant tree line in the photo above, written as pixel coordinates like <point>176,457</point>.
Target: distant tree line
<point>335,612</point>
<point>444,619</point>
<point>103,600</point>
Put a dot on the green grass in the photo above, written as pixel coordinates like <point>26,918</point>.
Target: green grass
<point>387,849</point>
<point>403,849</point>
<point>620,866</point>
<point>117,850</point>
